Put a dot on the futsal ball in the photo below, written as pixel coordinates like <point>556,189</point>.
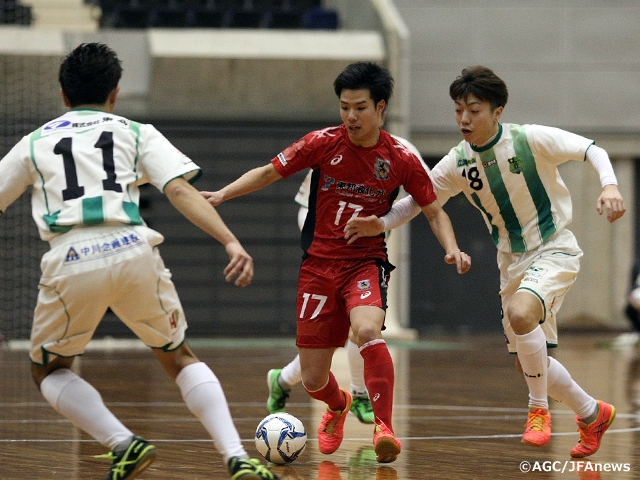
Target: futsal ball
<point>281,438</point>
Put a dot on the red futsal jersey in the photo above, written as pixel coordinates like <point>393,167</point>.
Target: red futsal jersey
<point>350,181</point>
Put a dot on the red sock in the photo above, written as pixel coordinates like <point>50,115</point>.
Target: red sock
<point>379,377</point>
<point>330,394</point>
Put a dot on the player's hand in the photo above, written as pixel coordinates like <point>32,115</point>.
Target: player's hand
<point>461,260</point>
<point>214,198</point>
<point>358,227</point>
<point>611,200</point>
<point>241,265</point>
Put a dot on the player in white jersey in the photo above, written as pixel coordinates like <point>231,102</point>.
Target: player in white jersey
<point>85,169</point>
<point>281,380</point>
<point>509,172</point>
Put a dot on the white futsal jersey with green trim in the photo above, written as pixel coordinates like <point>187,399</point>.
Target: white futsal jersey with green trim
<point>63,158</point>
<point>514,182</point>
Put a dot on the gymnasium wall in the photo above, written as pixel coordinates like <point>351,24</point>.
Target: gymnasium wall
<point>572,64</point>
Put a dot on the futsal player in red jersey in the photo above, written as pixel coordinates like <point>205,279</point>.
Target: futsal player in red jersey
<point>358,169</point>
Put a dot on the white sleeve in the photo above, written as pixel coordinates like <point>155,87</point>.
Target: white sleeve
<point>160,161</point>
<point>599,159</point>
<point>15,175</point>
<point>302,216</point>
<point>401,212</point>
<point>302,197</point>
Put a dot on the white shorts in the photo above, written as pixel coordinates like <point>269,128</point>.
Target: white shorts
<point>92,269</point>
<point>547,272</point>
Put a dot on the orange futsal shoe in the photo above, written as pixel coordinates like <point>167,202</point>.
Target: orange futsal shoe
<point>591,434</point>
<point>331,429</point>
<point>537,430</point>
<point>386,445</point>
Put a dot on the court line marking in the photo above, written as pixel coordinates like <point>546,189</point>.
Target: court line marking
<point>485,409</point>
<point>313,439</point>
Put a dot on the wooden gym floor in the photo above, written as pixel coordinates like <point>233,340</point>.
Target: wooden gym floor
<point>459,411</point>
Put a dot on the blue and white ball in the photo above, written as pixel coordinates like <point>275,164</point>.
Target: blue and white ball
<point>281,438</point>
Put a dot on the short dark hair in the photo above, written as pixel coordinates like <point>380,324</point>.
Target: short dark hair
<point>482,83</point>
<point>366,75</point>
<point>89,74</point>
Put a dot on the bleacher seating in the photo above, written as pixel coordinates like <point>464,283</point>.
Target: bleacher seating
<point>319,18</point>
<point>172,14</point>
<point>283,19</point>
<point>12,12</point>
<point>131,14</point>
<point>244,16</point>
<point>274,14</point>
<point>206,16</point>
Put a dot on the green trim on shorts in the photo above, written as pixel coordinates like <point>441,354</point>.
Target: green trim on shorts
<point>165,348</point>
<point>544,307</point>
<point>46,353</point>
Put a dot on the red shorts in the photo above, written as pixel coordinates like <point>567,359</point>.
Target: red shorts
<point>329,289</point>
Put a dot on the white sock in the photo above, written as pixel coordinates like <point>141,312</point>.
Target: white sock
<point>80,402</point>
<point>532,353</point>
<point>564,389</point>
<point>356,369</point>
<point>291,373</point>
<point>204,397</point>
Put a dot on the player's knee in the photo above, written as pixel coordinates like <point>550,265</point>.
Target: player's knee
<point>40,372</point>
<point>366,333</point>
<point>525,311</point>
<point>313,383</point>
<point>521,319</point>
<point>175,360</point>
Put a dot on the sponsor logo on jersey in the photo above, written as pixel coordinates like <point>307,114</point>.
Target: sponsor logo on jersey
<point>489,163</point>
<point>72,255</point>
<point>533,274</point>
<point>364,284</point>
<point>365,295</point>
<point>536,271</point>
<point>92,249</point>
<point>515,165</point>
<point>88,124</point>
<point>56,125</point>
<point>283,160</point>
<point>325,132</point>
<point>174,318</point>
<point>328,181</point>
<point>463,162</point>
<point>336,160</point>
<point>381,169</point>
<point>359,189</point>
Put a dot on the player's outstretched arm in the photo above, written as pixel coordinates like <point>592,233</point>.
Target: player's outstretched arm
<point>357,227</point>
<point>188,201</point>
<point>611,201</point>
<point>443,230</point>
<point>401,212</point>
<point>251,181</point>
